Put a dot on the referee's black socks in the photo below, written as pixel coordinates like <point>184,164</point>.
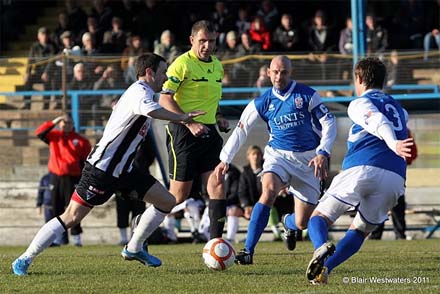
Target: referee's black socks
<point>217,217</point>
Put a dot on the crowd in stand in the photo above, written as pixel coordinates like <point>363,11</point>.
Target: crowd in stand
<point>127,28</point>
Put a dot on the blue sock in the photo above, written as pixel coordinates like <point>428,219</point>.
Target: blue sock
<point>259,219</point>
<point>318,231</point>
<point>346,247</point>
<point>290,222</point>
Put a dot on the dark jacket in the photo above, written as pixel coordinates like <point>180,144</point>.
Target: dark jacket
<point>249,189</point>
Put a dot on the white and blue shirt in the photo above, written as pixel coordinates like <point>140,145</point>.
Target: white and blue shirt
<point>296,120</point>
<point>364,144</point>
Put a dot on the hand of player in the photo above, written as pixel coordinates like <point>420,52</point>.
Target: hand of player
<point>320,162</point>
<point>223,125</point>
<point>197,129</point>
<point>220,171</point>
<point>403,147</point>
<point>188,117</point>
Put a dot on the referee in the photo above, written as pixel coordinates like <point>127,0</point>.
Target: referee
<point>195,83</point>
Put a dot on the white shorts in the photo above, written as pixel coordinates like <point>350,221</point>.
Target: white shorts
<point>372,190</point>
<point>293,169</point>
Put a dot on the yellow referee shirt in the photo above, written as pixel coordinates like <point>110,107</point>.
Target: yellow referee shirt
<point>196,84</point>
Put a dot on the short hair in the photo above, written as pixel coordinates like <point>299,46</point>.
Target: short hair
<point>78,66</point>
<point>147,60</point>
<point>253,148</point>
<point>372,71</point>
<point>202,25</point>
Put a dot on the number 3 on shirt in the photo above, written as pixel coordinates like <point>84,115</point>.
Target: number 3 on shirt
<point>396,120</point>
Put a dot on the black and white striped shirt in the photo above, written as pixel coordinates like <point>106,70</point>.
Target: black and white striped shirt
<point>126,129</point>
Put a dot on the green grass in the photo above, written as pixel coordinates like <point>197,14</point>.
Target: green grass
<point>100,269</point>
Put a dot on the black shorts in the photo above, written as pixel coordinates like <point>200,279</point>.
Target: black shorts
<point>96,186</point>
<point>189,156</point>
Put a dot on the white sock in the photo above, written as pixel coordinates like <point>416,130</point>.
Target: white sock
<point>123,235</point>
<point>169,223</point>
<point>45,236</point>
<point>149,222</point>
<point>232,227</point>
<point>190,221</point>
<point>204,224</point>
<point>194,211</point>
<point>276,232</point>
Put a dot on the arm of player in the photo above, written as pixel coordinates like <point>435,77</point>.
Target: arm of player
<point>328,123</point>
<point>238,137</point>
<point>247,121</point>
<point>328,134</point>
<point>364,113</point>
<point>185,118</point>
<point>166,100</point>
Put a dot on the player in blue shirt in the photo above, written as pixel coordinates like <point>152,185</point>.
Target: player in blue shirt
<point>374,171</point>
<point>302,132</point>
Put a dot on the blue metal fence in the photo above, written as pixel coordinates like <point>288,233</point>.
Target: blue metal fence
<point>75,96</point>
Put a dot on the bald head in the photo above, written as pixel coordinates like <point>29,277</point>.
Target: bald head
<point>280,71</point>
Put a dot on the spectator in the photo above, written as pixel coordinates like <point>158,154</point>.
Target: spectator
<point>263,80</point>
<point>167,47</point>
<point>62,26</point>
<point>40,50</point>
<point>243,24</point>
<point>260,34</point>
<point>81,81</point>
<point>346,38</point>
<point>92,29</point>
<point>320,37</point>
<point>76,16</point>
<point>393,69</point>
<point>55,68</point>
<point>129,55</point>
<point>109,80</point>
<point>89,50</point>
<point>103,14</point>
<point>116,38</point>
<point>430,40</point>
<point>285,37</point>
<point>377,37</point>
<point>269,12</point>
<point>149,23</point>
<point>68,153</point>
<point>245,70</point>
<point>44,198</point>
<point>229,51</point>
<point>222,21</point>
<point>126,10</point>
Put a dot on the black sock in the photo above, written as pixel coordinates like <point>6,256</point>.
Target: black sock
<point>217,217</point>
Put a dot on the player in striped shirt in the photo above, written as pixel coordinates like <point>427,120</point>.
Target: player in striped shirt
<point>110,166</point>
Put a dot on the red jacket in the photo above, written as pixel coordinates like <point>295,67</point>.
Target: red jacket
<point>68,151</point>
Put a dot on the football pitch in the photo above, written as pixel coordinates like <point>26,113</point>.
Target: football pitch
<point>380,267</point>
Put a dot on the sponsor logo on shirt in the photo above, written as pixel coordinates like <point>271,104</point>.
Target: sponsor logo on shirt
<point>299,102</point>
